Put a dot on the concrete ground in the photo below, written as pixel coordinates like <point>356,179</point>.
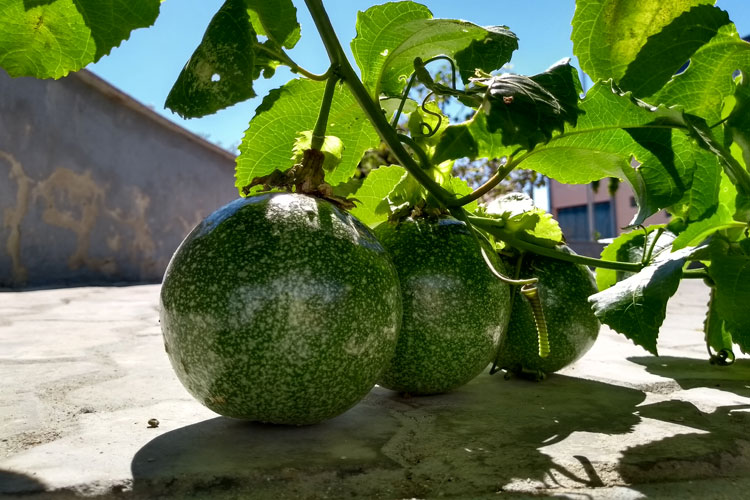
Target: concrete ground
<point>83,370</point>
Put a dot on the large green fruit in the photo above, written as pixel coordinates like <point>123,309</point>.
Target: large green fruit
<point>280,308</point>
<point>455,310</point>
<point>572,328</point>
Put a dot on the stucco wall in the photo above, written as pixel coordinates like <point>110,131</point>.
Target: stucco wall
<point>95,187</point>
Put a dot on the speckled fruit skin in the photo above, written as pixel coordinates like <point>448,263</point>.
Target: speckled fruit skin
<point>280,308</point>
<point>572,328</point>
<point>455,310</point>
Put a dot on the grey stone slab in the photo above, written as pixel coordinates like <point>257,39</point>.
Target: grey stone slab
<point>84,369</point>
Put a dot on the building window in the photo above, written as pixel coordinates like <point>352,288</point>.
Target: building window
<point>574,221</point>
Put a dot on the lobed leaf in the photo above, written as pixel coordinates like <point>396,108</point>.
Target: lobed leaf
<point>637,306</point>
<point>608,35</point>
<point>618,136</point>
<point>270,138</point>
<point>391,36</point>
<point>708,80</point>
<point>50,38</point>
<point>666,52</point>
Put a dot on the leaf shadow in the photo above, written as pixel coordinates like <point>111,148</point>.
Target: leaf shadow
<point>692,373</point>
<point>711,441</point>
<point>469,442</point>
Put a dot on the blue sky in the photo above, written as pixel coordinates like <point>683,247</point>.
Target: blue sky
<point>147,65</point>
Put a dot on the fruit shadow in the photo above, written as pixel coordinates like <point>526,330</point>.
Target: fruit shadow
<point>710,419</point>
<point>16,483</point>
<point>472,442</point>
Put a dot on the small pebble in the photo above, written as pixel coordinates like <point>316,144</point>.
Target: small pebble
<point>153,423</point>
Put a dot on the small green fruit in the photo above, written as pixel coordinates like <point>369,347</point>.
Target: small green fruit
<point>572,328</point>
<point>454,308</point>
<point>280,308</point>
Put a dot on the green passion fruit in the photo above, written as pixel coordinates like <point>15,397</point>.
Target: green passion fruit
<point>280,308</point>
<point>455,310</point>
<point>563,291</point>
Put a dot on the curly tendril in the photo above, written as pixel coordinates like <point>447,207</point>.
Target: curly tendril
<point>532,295</point>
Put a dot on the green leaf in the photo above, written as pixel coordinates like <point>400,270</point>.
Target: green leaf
<point>637,306</point>
<point>527,110</point>
<point>390,36</point>
<point>332,149</point>
<point>629,247</point>
<point>667,51</point>
<point>221,71</point>
<point>524,220</point>
<point>730,271</point>
<point>608,35</point>
<point>703,87</point>
<point>459,187</point>
<point>374,206</point>
<point>276,20</point>
<point>456,142</point>
<point>50,38</point>
<point>618,136</point>
<point>269,140</point>
<point>738,122</point>
<point>716,334</point>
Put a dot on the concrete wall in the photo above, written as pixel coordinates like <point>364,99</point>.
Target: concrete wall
<point>95,187</point>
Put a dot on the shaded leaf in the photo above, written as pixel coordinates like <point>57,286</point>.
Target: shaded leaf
<point>629,247</point>
<point>221,71</point>
<point>716,334</point>
<point>527,110</point>
<point>48,39</point>
<point>272,133</point>
<point>730,271</point>
<point>738,122</point>
<point>637,306</point>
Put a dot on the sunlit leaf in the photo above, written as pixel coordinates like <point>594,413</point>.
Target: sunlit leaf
<point>50,38</point>
<point>392,35</point>
<point>269,140</point>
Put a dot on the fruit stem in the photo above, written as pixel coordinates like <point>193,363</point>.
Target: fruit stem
<point>319,132</point>
<point>495,228</point>
<point>373,111</point>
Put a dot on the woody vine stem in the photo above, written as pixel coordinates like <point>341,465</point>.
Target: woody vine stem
<point>342,70</point>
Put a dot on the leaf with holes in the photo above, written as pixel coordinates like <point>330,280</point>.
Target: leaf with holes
<point>222,69</point>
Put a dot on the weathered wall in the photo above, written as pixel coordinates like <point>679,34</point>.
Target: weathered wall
<point>95,187</point>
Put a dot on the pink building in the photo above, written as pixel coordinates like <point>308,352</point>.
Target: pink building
<point>586,217</point>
